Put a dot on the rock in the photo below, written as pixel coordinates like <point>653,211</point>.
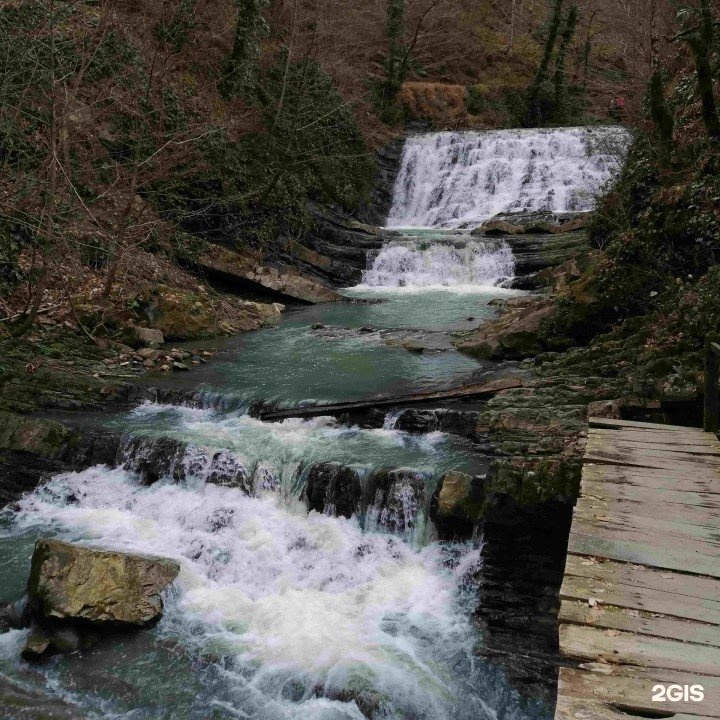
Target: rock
<point>148,354</point>
<point>513,336</point>
<point>318,326</point>
<point>541,227</point>
<point>283,280</point>
<point>149,336</point>
<point>180,366</point>
<point>461,497</point>
<point>333,488</point>
<point>155,458</point>
<point>417,421</point>
<point>13,616</point>
<point>45,641</point>
<point>37,645</point>
<point>604,409</point>
<point>105,588</point>
<point>498,227</point>
<point>226,470</point>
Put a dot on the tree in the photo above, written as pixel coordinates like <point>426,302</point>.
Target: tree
<point>660,113</point>
<point>699,34</point>
<point>241,67</point>
<point>400,56</point>
<point>571,20</point>
<point>536,110</point>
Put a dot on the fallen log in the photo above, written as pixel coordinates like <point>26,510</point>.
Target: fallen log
<point>465,392</point>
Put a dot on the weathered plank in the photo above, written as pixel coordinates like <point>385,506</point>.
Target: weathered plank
<point>640,598</point>
<point>634,692</point>
<point>646,553</point>
<point>675,462</point>
<point>617,519</point>
<point>682,515</point>
<point>632,424</point>
<point>688,482</point>
<point>681,440</point>
<point>641,494</point>
<point>580,642</point>
<point>611,617</point>
<point>571,708</point>
<point>680,584</point>
<point>661,537</point>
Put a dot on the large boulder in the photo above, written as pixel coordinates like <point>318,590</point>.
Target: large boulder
<point>105,588</point>
<point>461,497</point>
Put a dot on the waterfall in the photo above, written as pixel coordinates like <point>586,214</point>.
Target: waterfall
<point>451,179</point>
<point>458,263</point>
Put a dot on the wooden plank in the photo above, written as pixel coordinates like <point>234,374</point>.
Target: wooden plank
<point>660,536</point>
<point>634,425</point>
<point>634,493</point>
<point>636,621</point>
<point>682,461</point>
<point>639,576</point>
<point>644,554</point>
<point>571,708</point>
<point>630,445</point>
<point>484,390</point>
<point>627,511</point>
<point>659,461</point>
<point>683,483</point>
<point>695,439</point>
<point>580,642</point>
<point>665,602</point>
<point>589,513</point>
<point>668,441</point>
<point>635,692</point>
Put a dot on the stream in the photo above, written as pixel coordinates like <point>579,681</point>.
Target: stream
<point>284,614</point>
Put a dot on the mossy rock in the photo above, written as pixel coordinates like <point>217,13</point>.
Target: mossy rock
<point>75,583</point>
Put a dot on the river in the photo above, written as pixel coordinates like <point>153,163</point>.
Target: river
<point>279,613</point>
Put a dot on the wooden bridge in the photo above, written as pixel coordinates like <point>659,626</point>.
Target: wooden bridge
<point>640,600</point>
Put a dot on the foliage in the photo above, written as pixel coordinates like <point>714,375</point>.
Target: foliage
<point>240,71</point>
<point>177,30</point>
<point>259,185</point>
<point>13,238</point>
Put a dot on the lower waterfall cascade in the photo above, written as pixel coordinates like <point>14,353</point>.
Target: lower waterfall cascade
<point>456,179</point>
<point>469,264</point>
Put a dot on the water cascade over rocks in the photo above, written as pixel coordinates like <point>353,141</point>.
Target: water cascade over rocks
<point>311,586</point>
<point>455,179</point>
<point>439,263</point>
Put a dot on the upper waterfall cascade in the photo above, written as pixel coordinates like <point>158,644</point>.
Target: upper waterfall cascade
<point>455,179</point>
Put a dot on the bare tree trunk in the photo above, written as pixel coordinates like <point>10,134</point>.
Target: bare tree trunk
<point>118,250</point>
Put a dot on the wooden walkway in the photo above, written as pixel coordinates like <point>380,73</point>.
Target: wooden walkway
<point>640,601</point>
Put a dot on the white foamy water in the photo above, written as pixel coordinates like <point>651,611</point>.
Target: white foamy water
<point>449,179</point>
<point>283,596</point>
<point>470,265</point>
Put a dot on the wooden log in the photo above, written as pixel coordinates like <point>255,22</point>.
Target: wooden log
<point>467,392</point>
